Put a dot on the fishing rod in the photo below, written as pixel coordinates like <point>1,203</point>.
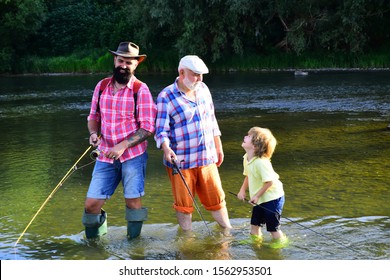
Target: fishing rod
<point>176,170</point>
<point>67,175</point>
<point>312,230</point>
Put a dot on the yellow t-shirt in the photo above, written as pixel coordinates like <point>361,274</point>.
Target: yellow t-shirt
<point>260,170</point>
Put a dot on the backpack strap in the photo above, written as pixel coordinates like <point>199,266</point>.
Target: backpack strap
<point>136,85</point>
<point>103,86</point>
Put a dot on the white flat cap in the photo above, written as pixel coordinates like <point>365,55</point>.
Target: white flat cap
<point>194,63</point>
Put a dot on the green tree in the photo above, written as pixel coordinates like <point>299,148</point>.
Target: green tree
<point>19,19</point>
<point>217,30</point>
<point>76,26</point>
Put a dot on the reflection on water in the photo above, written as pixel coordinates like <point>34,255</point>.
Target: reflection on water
<point>317,239</point>
<point>332,157</point>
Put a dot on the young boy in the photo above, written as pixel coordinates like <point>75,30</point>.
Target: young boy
<point>265,189</point>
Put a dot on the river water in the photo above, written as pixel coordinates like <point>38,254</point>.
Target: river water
<point>332,156</point>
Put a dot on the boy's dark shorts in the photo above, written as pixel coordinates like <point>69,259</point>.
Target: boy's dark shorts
<point>268,213</point>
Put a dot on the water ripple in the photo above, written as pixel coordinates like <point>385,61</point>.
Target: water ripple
<point>330,238</point>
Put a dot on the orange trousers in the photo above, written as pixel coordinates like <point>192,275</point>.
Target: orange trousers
<point>202,181</point>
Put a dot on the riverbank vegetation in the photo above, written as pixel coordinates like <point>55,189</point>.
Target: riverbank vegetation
<point>58,36</point>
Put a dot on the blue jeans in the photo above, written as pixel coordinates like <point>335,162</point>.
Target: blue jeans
<point>106,178</point>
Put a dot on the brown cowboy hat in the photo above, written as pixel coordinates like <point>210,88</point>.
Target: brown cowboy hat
<point>129,49</point>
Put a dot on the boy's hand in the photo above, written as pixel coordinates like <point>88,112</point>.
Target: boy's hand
<point>254,199</point>
<point>241,195</point>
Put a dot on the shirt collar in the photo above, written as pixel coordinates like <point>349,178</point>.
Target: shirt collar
<point>250,161</point>
<point>176,88</point>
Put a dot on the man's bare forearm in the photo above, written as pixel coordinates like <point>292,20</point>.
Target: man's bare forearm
<point>93,126</point>
<point>138,137</point>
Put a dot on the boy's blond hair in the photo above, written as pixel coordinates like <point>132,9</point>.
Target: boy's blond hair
<point>263,140</point>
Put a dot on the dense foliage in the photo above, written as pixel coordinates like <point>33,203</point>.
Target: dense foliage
<point>218,30</point>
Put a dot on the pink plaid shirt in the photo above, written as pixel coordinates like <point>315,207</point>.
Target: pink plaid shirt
<point>117,120</point>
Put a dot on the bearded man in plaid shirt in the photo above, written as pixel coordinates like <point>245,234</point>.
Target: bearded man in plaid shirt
<point>121,118</point>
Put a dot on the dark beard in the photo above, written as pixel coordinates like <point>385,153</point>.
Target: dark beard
<point>122,78</point>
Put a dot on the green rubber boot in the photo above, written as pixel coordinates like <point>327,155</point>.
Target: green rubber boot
<point>135,219</point>
<point>95,224</point>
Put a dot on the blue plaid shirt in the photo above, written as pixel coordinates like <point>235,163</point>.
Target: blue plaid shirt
<point>188,126</point>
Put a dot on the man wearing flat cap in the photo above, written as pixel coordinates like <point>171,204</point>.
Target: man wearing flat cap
<point>187,131</point>
<point>121,118</point>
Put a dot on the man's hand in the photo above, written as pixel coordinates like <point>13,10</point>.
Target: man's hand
<point>117,151</point>
<point>94,139</point>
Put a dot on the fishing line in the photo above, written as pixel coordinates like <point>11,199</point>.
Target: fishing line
<point>67,175</point>
<point>312,230</point>
<point>176,170</point>
<point>77,168</point>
